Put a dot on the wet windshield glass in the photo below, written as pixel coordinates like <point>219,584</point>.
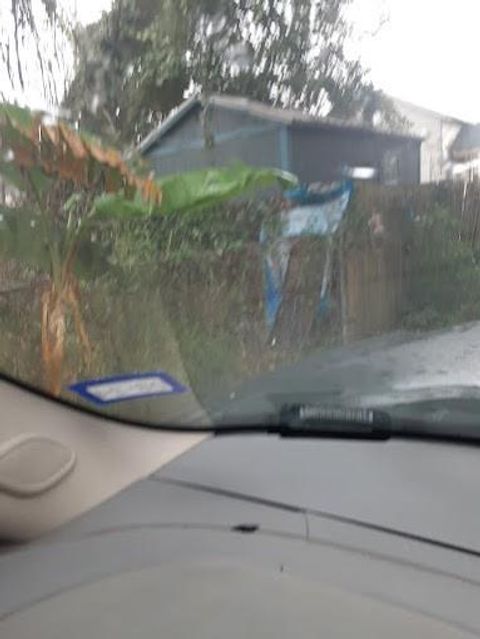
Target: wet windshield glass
<point>210,205</point>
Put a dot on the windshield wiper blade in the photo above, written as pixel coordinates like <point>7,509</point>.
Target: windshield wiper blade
<point>318,421</point>
<point>310,420</point>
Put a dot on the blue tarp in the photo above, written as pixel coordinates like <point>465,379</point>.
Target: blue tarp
<point>315,212</point>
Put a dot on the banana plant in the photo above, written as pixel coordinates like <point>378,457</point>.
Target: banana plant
<point>58,176</point>
<point>66,181</point>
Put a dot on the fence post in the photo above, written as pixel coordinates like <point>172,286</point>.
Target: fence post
<point>343,290</point>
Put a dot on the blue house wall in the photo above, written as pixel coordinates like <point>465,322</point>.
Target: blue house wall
<point>313,153</point>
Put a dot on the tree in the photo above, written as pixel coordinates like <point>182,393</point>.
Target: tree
<point>66,182</point>
<point>143,57</point>
<point>64,178</point>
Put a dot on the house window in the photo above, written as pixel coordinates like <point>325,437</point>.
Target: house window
<point>391,168</point>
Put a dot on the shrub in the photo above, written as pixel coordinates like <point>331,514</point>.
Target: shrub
<point>444,275</point>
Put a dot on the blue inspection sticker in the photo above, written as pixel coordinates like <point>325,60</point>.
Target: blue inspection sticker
<point>109,390</point>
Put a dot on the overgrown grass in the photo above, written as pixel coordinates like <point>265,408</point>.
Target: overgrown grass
<point>20,337</point>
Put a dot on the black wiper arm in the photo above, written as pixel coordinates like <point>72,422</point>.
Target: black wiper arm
<point>318,421</point>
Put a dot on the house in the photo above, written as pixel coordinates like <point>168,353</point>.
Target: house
<point>451,147</point>
<point>224,129</point>
<point>465,153</point>
<point>438,131</point>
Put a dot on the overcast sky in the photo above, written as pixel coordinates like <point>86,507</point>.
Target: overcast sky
<point>89,10</point>
<point>425,51</point>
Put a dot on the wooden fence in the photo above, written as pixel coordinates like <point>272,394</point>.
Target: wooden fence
<point>376,258</point>
<point>374,289</point>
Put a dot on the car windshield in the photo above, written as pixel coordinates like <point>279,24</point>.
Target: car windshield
<point>210,209</point>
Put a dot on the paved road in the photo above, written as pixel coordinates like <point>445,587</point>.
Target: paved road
<point>386,370</point>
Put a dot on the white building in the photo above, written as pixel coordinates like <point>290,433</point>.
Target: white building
<point>439,133</point>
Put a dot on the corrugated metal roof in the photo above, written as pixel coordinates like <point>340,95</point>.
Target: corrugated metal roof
<point>289,117</point>
<point>467,141</point>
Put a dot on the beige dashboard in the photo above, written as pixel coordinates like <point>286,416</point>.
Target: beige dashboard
<point>56,462</point>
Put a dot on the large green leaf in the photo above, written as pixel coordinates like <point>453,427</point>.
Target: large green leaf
<point>212,186</point>
<point>111,205</point>
<point>193,190</point>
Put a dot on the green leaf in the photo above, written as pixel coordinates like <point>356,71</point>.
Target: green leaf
<point>214,185</point>
<point>115,205</point>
